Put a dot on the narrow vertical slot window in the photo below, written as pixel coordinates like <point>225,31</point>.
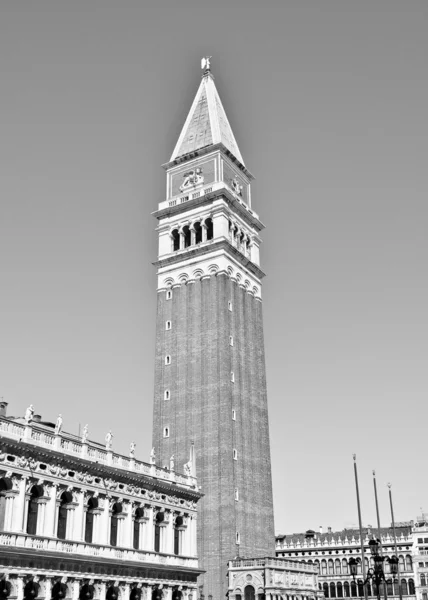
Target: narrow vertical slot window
<point>232,377</point>
<point>229,306</point>
<point>166,395</point>
<point>168,325</point>
<point>230,340</point>
<point>168,294</point>
<point>166,432</point>
<point>233,414</point>
<point>235,454</point>
<point>167,359</point>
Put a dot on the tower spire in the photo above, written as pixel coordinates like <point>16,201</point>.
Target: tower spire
<point>206,123</point>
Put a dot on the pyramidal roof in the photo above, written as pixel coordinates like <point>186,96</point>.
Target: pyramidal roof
<point>206,123</point>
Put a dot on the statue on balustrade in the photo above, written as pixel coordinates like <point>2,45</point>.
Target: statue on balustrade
<point>29,413</point>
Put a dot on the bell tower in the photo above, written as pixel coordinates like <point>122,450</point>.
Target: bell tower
<point>210,382</point>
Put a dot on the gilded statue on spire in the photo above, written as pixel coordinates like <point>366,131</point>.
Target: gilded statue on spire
<point>206,63</point>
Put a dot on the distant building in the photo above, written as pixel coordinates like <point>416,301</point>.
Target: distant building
<point>272,579</point>
<point>330,552</point>
<point>78,521</point>
<point>420,556</point>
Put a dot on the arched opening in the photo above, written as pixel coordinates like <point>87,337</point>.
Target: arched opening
<point>87,592</point>
<point>177,595</point>
<point>157,594</point>
<point>5,486</point>
<point>139,514</point>
<point>31,590</point>
<point>249,593</point>
<point>338,567</point>
<point>339,589</point>
<point>354,593</point>
<point>159,519</point>
<point>409,565</point>
<point>36,492</point>
<point>136,593</point>
<point>401,563</point>
<point>198,233</point>
<point>115,512</point>
<point>323,567</point>
<point>59,591</point>
<point>389,588</point>
<point>404,588</point>
<point>332,590</point>
<point>112,593</point>
<point>423,580</point>
<point>187,236</point>
<point>330,567</point>
<point>346,590</point>
<point>177,535</point>
<point>66,498</point>
<point>325,589</point>
<point>175,240</point>
<point>345,566</point>
<point>210,228</point>
<point>89,519</point>
<point>317,565</point>
<point>360,585</point>
<point>411,587</point>
<point>369,589</point>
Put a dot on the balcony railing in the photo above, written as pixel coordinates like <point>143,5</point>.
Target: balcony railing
<point>22,540</point>
<point>74,446</point>
<point>273,562</point>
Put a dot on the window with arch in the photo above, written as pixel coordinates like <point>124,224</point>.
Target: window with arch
<point>210,228</point>
<point>166,395</point>
<point>323,567</point>
<point>168,325</point>
<point>168,294</point>
<point>344,566</point>
<point>233,414</point>
<point>5,486</point>
<point>114,519</point>
<point>167,359</point>
<point>36,492</point>
<point>389,588</point>
<point>249,593</point>
<point>411,587</point>
<point>160,517</point>
<point>409,564</point>
<point>338,568</point>
<point>326,589</point>
<point>178,525</point>
<point>229,306</point>
<point>339,589</point>
<point>317,565</point>
<point>423,579</point>
<point>65,500</point>
<point>138,517</point>
<point>187,236</point>
<point>369,589</point>
<point>236,494</point>
<point>175,237</point>
<point>332,590</point>
<point>166,432</point>
<point>404,587</point>
<point>238,538</point>
<point>235,454</point>
<point>177,594</point>
<point>230,340</point>
<point>354,592</point>
<point>198,233</point>
<point>331,568</point>
<point>346,590</point>
<point>360,586</point>
<point>401,563</point>
<point>91,507</point>
<point>232,377</point>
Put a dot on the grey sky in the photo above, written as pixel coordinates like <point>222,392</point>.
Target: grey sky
<point>328,102</point>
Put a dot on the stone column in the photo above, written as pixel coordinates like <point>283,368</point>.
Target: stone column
<point>104,523</point>
<point>51,510</point>
<point>167,593</point>
<point>128,540</point>
<point>20,588</point>
<point>149,591</point>
<point>9,509</point>
<point>75,587</point>
<point>125,592</point>
<point>121,530</point>
<point>169,542</point>
<point>192,236</point>
<point>204,232</point>
<point>41,516</point>
<point>48,588</point>
<point>149,541</point>
<point>69,528</point>
<point>18,513</point>
<point>79,517</point>
<point>102,590</point>
<point>181,234</point>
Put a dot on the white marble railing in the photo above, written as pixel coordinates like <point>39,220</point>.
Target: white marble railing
<point>34,434</point>
<point>197,193</point>
<point>22,540</point>
<point>274,562</point>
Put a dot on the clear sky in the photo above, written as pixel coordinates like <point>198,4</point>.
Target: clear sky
<point>328,102</point>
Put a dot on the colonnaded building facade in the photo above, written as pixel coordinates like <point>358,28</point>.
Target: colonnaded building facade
<point>210,383</point>
<point>329,552</point>
<point>78,521</point>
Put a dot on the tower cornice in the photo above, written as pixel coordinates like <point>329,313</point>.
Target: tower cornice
<point>171,209</point>
<point>199,251</point>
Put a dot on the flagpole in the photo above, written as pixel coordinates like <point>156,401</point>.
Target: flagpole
<point>395,543</point>
<point>379,536</point>
<point>363,561</point>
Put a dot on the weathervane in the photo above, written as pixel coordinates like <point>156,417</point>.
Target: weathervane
<point>205,63</point>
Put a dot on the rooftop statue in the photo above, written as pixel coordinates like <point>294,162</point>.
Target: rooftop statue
<point>58,425</point>
<point>109,440</point>
<point>29,413</point>
<point>85,433</point>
